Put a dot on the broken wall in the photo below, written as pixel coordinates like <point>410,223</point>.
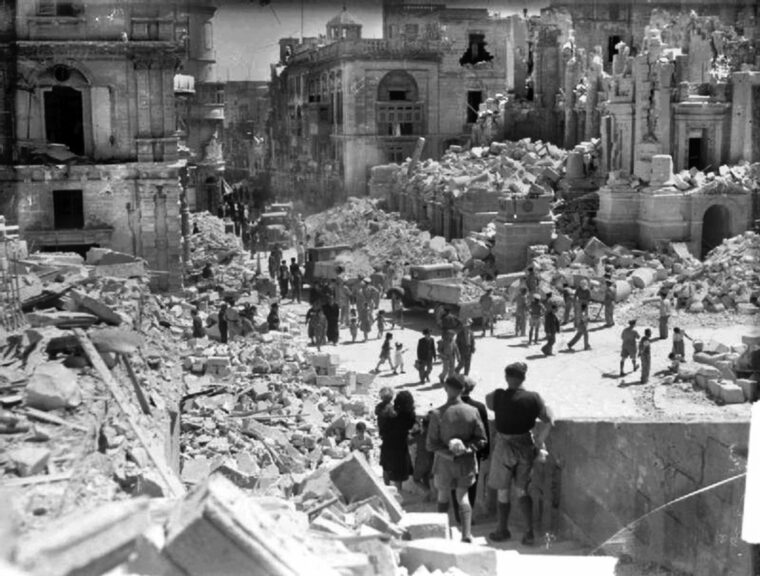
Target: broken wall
<point>612,473</point>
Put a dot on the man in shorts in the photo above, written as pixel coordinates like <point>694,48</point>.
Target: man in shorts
<point>455,435</point>
<point>629,337</point>
<point>515,448</point>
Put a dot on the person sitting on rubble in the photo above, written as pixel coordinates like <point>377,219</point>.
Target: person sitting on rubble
<point>273,318</point>
<point>198,330</point>
<point>361,442</point>
<point>234,327</point>
<point>248,318</point>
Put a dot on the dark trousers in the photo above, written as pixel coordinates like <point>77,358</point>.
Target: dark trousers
<point>283,288</point>
<point>223,333</point>
<point>425,367</point>
<point>464,362</point>
<point>551,338</point>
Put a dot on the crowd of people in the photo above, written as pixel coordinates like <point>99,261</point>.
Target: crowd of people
<point>454,440</point>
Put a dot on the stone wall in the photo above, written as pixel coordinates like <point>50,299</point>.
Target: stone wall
<point>604,475</point>
<point>130,208</point>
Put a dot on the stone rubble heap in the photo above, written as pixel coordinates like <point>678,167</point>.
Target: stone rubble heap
<point>375,237</point>
<point>522,168</point>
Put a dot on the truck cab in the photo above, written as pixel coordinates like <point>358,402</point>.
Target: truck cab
<point>320,262</point>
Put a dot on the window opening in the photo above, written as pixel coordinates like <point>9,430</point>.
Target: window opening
<point>63,118</point>
<point>697,153</point>
<point>68,209</point>
<point>612,43</point>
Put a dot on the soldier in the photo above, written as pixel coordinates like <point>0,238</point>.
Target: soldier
<point>456,434</point>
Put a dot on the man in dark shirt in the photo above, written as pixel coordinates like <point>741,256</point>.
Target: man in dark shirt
<point>456,434</point>
<point>469,386</point>
<point>425,355</point>
<point>296,280</point>
<point>515,448</point>
<point>551,327</point>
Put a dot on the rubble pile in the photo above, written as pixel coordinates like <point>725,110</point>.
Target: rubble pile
<point>522,168</point>
<point>575,218</point>
<point>213,240</point>
<point>375,236</point>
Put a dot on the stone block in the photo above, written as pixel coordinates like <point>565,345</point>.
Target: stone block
<point>749,388</point>
<point>29,460</point>
<point>421,525</point>
<point>53,386</point>
<point>355,480</point>
<point>726,369</point>
<point>92,542</point>
<point>713,388</point>
<point>643,277</point>
<point>218,530</point>
<point>730,393</point>
<point>380,554</point>
<point>442,554</point>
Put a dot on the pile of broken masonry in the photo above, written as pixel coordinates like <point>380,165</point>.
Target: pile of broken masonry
<point>111,412</point>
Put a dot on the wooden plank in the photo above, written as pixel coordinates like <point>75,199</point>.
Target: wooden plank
<point>52,419</point>
<point>31,480</point>
<point>144,405</point>
<point>172,481</point>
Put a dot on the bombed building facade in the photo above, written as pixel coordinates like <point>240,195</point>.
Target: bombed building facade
<point>343,103</point>
<point>91,153</point>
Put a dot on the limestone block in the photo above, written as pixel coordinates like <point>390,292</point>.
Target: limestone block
<point>730,393</point>
<point>53,386</point>
<point>643,277</point>
<point>29,460</point>
<point>356,481</point>
<point>442,554</point>
<point>726,369</point>
<point>421,525</point>
<point>749,388</point>
<point>713,388</point>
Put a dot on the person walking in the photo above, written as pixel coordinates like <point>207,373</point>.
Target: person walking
<point>353,324</point>
<point>365,318</point>
<point>296,280</point>
<point>394,450</point>
<point>630,337</point>
<point>221,320</point>
<point>665,310</point>
<point>516,448</point>
<point>449,355</point>
<point>521,311</point>
<point>567,299</point>
<point>535,312</point>
<point>645,354</point>
<point>283,277</point>
<point>398,358</point>
<point>582,296</point>
<point>343,295</point>
<point>486,308</point>
<point>425,355</point>
<point>609,304</point>
<point>465,341</point>
<point>551,327</point>
<point>482,454</point>
<point>397,311</point>
<point>455,435</point>
<point>581,329</point>
<point>385,353</point>
<point>332,315</point>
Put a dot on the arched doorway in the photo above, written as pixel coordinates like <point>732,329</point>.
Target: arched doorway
<point>716,226</point>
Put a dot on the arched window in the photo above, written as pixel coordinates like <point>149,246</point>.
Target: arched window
<point>399,112</point>
<point>63,98</point>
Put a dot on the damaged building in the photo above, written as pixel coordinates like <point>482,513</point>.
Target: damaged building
<point>343,103</point>
<point>90,155</point>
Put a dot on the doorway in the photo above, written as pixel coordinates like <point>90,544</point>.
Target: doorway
<point>716,227</point>
<point>474,99</point>
<point>697,157</point>
<point>64,118</point>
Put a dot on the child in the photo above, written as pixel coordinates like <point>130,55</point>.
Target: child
<point>398,358</point>
<point>679,346</point>
<point>361,442</point>
<point>385,353</point>
<point>353,324</point>
<point>675,360</point>
<point>645,354</point>
<point>380,323</point>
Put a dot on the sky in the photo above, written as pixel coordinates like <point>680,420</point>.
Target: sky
<point>246,34</point>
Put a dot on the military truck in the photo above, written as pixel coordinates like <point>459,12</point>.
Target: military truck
<point>438,287</point>
<point>321,263</point>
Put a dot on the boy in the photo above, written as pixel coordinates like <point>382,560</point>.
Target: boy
<point>361,442</point>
